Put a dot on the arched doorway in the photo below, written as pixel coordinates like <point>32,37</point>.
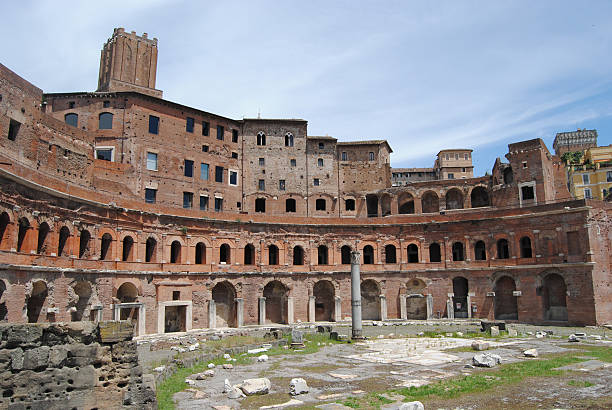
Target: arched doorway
<point>406,203</point>
<point>479,197</point>
<point>454,199</point>
<point>224,296</point>
<point>324,294</point>
<point>416,303</point>
<point>276,302</point>
<point>370,300</point>
<point>82,295</point>
<point>372,205</point>
<point>460,290</point>
<point>36,301</point>
<point>506,307</point>
<point>554,293</point>
<point>385,204</point>
<point>128,293</point>
<point>430,202</point>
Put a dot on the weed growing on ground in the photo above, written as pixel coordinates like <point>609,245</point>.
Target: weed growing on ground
<point>580,383</point>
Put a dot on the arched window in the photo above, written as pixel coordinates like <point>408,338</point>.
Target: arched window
<point>249,254</point>
<point>298,255</point>
<point>430,202</point>
<point>345,253</point>
<point>43,231</point>
<point>320,162</point>
<point>390,256</point>
<point>71,119</point>
<point>454,199</point>
<point>64,234</point>
<point>503,251</point>
<point>458,252</point>
<point>526,247</point>
<point>290,205</point>
<point>406,203</point>
<point>368,255</point>
<point>128,246</point>
<point>480,251</point>
<point>4,221</point>
<point>150,251</point>
<point>224,253</point>
<point>413,253</point>
<point>175,252</point>
<point>322,255</point>
<point>260,205</point>
<point>372,205</point>
<point>479,197</point>
<point>105,121</point>
<point>320,204</point>
<point>289,140</point>
<point>261,138</point>
<point>200,253</point>
<point>105,245</point>
<point>84,244</point>
<point>24,226</point>
<point>272,255</point>
<point>434,253</point>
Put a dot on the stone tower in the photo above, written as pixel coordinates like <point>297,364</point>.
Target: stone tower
<point>129,63</point>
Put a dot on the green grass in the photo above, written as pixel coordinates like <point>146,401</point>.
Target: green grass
<point>580,383</point>
<point>485,380</point>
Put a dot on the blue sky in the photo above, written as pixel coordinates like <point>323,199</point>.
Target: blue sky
<point>424,75</point>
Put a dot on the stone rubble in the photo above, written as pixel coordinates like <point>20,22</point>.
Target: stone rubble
<point>486,360</point>
<point>298,386</point>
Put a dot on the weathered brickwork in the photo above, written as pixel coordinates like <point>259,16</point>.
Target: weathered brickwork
<point>265,233</point>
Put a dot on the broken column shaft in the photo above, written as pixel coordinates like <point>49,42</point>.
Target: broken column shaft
<point>356,295</point>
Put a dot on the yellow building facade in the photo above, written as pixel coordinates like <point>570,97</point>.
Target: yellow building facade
<point>592,178</point>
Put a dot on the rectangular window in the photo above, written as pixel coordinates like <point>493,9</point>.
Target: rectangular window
<point>106,104</point>
<point>588,194</point>
<point>188,168</point>
<point>13,129</point>
<point>189,125</point>
<point>218,204</point>
<point>204,148</point>
<point>234,155</point>
<point>205,128</point>
<point>151,161</point>
<point>218,174</point>
<point>527,193</point>
<point>371,156</point>
<point>585,179</point>
<point>261,185</point>
<point>150,195</point>
<point>153,124</point>
<point>262,162</point>
<point>281,185</point>
<point>344,156</point>
<point>71,104</point>
<point>234,135</point>
<point>320,162</point>
<point>447,157</point>
<point>105,154</point>
<point>456,156</point>
<point>465,156</point>
<point>316,182</point>
<point>451,176</point>
<point>204,171</point>
<point>187,199</point>
<point>321,145</point>
<point>233,178</point>
<point>203,203</point>
<point>220,132</point>
<point>292,162</point>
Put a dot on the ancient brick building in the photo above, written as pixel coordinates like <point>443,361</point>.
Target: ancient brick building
<point>119,204</point>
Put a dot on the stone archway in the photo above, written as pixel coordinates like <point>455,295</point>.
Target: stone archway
<point>82,296</point>
<point>324,295</point>
<point>506,307</point>
<point>276,295</point>
<point>128,293</point>
<point>224,296</point>
<point>554,295</point>
<point>370,300</point>
<point>416,302</point>
<point>36,301</point>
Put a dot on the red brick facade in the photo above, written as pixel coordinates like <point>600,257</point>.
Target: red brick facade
<point>80,238</point>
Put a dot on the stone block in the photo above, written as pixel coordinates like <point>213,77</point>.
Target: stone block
<point>298,386</point>
<point>115,331</point>
<point>17,359</point>
<point>494,331</point>
<point>24,335</point>
<point>479,345</point>
<point>37,358</point>
<point>413,405</point>
<point>125,352</point>
<point>255,386</point>
<point>57,355</point>
<point>85,377</point>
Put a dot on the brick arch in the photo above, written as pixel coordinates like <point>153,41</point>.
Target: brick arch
<point>374,246</point>
<point>430,201</point>
<point>471,190</point>
<point>117,283</point>
<point>398,250</point>
<point>517,243</point>
<point>454,198</point>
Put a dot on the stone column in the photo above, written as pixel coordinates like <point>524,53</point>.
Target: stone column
<point>239,312</point>
<point>262,310</point>
<point>212,314</point>
<point>383,307</point>
<point>311,309</point>
<point>357,331</point>
<point>429,307</point>
<point>337,309</point>
<point>469,304</point>
<point>450,308</point>
<point>403,311</point>
<point>290,310</point>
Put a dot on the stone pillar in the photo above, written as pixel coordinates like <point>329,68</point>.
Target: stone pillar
<point>212,314</point>
<point>383,307</point>
<point>290,310</point>
<point>450,309</point>
<point>262,310</point>
<point>357,331</point>
<point>337,309</point>
<point>311,309</point>
<point>239,312</point>
<point>429,307</point>
<point>403,311</point>
<point>469,306</point>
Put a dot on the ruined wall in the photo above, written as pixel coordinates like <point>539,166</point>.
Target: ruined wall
<point>76,365</point>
